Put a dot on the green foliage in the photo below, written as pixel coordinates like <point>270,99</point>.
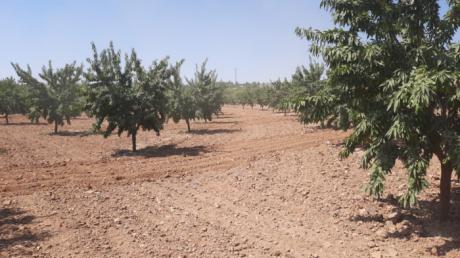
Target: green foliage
<point>55,97</point>
<point>127,95</point>
<point>307,81</point>
<point>262,96</point>
<point>12,98</point>
<point>280,95</point>
<point>208,95</point>
<point>247,96</point>
<point>394,77</point>
<point>231,93</point>
<point>181,99</point>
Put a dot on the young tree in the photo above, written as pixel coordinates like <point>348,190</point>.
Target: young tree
<point>231,93</point>
<point>126,95</point>
<point>262,96</point>
<point>56,96</point>
<point>306,81</point>
<point>12,98</point>
<point>207,94</point>
<point>181,102</point>
<point>394,66</point>
<point>247,96</point>
<point>280,95</point>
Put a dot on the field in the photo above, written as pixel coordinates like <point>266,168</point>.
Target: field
<point>250,183</point>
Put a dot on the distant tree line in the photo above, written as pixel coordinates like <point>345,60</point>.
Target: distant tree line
<point>280,95</point>
<point>121,94</point>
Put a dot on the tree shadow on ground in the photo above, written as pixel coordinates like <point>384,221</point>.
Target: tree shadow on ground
<point>163,151</point>
<point>449,229</point>
<point>72,134</point>
<point>16,237</point>
<point>213,131</point>
<point>423,222</point>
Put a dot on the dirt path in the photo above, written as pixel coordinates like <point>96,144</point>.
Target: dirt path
<point>249,184</point>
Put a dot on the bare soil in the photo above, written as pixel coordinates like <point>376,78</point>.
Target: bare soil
<point>250,183</point>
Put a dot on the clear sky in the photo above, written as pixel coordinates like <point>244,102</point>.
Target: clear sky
<point>255,36</point>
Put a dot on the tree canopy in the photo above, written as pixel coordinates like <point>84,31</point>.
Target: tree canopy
<point>12,98</point>
<point>126,94</point>
<point>181,100</point>
<point>394,79</point>
<point>208,95</point>
<point>54,97</point>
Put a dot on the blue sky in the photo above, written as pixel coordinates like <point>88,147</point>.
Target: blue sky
<point>255,36</point>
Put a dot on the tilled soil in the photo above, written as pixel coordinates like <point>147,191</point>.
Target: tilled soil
<point>250,183</point>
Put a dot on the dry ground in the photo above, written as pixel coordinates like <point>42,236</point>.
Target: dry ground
<point>249,184</point>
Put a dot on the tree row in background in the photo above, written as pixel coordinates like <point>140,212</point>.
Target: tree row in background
<point>13,97</point>
<point>121,94</point>
<point>279,95</point>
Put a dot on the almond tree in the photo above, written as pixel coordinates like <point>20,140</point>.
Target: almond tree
<point>12,97</point>
<point>55,96</point>
<point>125,94</point>
<point>262,96</point>
<point>394,74</point>
<point>208,95</point>
<point>307,80</point>
<point>181,101</point>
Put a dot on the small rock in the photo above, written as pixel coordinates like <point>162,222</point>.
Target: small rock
<point>7,202</point>
<point>381,233</point>
<point>371,245</point>
<point>404,230</point>
<point>434,251</point>
<point>395,217</point>
<point>376,255</point>
<point>392,253</point>
<point>362,212</point>
<point>390,227</point>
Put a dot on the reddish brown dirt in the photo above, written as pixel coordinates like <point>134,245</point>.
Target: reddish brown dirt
<point>250,183</point>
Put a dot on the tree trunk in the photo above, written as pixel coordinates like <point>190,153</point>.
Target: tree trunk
<point>133,140</point>
<point>6,117</point>
<point>188,124</point>
<point>446,174</point>
<point>55,127</point>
